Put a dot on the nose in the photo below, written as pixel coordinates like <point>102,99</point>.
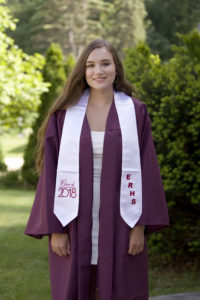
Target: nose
<point>98,69</point>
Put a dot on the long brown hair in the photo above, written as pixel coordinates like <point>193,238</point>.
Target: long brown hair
<point>74,87</point>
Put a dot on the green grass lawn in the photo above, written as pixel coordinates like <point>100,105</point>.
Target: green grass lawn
<point>13,145</point>
<point>24,273</point>
<point>23,260</point>
<point>164,281</point>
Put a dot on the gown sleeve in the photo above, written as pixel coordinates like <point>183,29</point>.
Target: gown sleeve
<point>42,220</point>
<point>154,212</point>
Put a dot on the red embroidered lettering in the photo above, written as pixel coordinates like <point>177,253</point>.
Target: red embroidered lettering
<point>63,192</point>
<point>128,176</point>
<point>133,201</point>
<point>132,193</point>
<point>130,185</point>
<point>73,193</point>
<point>67,190</point>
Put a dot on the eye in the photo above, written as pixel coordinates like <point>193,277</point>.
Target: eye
<point>106,64</point>
<point>89,66</point>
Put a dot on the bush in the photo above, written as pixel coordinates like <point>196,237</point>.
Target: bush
<point>11,179</point>
<point>171,92</point>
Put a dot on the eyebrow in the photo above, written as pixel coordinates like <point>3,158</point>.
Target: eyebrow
<point>90,61</point>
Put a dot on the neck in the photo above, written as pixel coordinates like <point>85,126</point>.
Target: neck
<point>100,97</point>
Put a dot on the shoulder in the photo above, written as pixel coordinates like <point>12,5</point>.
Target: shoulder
<point>55,123</point>
<point>140,109</point>
<point>58,117</point>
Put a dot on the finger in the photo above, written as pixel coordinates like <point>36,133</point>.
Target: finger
<point>131,250</point>
<point>134,249</point>
<point>64,251</point>
<point>57,251</point>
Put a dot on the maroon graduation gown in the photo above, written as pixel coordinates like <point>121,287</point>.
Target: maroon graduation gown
<point>121,276</point>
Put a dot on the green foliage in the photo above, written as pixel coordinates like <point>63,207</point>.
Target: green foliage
<point>53,73</point>
<point>166,19</point>
<point>11,179</point>
<point>21,81</point>
<point>171,92</point>
<point>141,68</point>
<point>3,166</point>
<point>69,64</point>
<point>69,23</point>
<point>24,11</point>
<point>123,24</point>
<point>73,24</point>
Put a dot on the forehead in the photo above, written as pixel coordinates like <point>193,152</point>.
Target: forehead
<point>99,54</point>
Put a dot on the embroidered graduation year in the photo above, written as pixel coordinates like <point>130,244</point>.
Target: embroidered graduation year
<point>66,190</point>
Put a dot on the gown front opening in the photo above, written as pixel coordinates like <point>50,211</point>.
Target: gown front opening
<point>97,144</point>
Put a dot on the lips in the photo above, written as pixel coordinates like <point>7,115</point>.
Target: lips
<point>100,78</point>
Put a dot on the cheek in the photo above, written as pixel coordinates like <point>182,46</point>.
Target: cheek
<point>112,72</point>
<point>87,75</point>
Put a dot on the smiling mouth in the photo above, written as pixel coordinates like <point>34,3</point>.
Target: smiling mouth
<point>100,78</point>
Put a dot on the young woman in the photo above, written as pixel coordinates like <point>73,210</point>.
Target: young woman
<point>100,192</point>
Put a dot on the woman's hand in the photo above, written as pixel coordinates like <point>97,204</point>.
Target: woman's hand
<point>60,243</point>
<point>136,243</point>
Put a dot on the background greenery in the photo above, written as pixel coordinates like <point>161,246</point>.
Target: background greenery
<point>159,44</point>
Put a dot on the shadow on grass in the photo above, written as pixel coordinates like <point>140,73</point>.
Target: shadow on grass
<point>14,208</point>
<point>17,150</point>
<point>24,268</point>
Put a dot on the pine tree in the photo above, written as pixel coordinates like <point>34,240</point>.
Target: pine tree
<point>69,64</point>
<point>53,73</point>
<point>124,23</point>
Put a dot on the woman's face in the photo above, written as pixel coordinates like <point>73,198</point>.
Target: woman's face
<point>100,69</point>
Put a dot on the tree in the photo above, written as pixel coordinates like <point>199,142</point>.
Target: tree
<point>24,12</point>
<point>21,80</point>
<point>72,24</point>
<point>167,18</point>
<point>123,23</point>
<point>54,73</point>
<point>69,64</point>
<point>141,67</point>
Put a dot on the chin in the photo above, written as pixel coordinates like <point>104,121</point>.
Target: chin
<point>102,88</point>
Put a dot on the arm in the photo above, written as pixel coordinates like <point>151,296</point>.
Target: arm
<point>154,208</point>
<point>42,220</point>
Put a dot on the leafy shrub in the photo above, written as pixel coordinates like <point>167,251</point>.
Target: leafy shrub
<point>11,179</point>
<point>171,91</point>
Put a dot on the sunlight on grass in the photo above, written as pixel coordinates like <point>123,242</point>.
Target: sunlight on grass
<point>13,145</point>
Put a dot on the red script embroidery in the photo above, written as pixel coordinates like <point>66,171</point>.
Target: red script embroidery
<point>67,190</point>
